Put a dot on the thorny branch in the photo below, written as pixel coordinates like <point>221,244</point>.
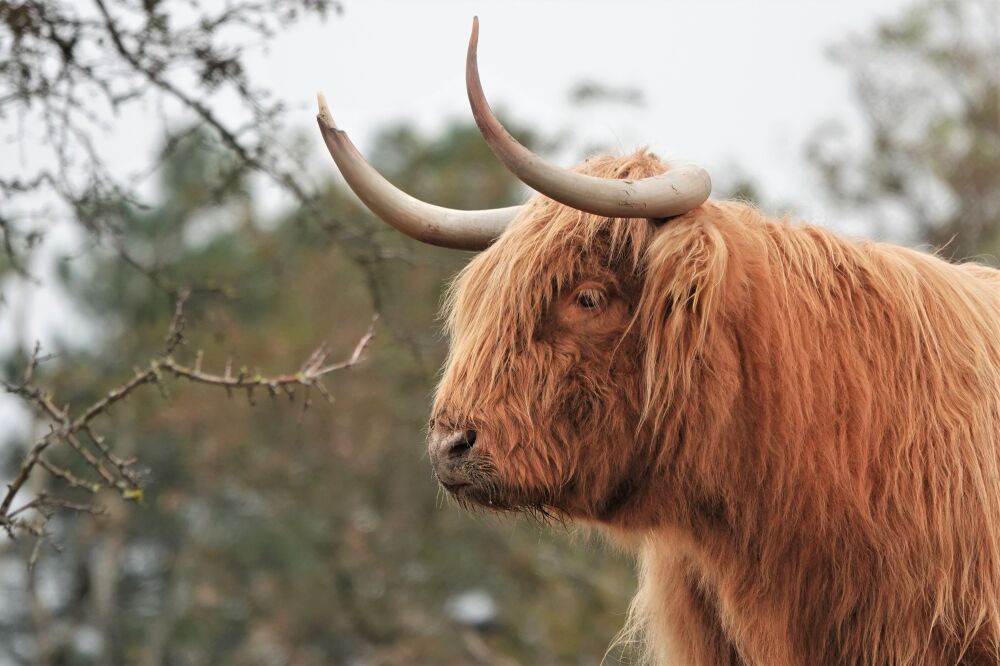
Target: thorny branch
<point>75,427</point>
<point>67,66</point>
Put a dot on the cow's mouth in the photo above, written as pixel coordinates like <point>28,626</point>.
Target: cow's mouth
<point>471,491</point>
<point>492,496</point>
<point>454,488</point>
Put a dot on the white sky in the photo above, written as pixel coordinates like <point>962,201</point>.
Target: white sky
<point>726,82</point>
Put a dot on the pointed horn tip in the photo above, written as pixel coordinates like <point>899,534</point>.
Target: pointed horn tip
<point>474,38</point>
<point>324,111</point>
<point>699,172</point>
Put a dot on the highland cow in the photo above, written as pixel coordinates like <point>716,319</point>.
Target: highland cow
<point>796,432</point>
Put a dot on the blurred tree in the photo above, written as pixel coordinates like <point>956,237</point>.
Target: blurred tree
<point>928,84</point>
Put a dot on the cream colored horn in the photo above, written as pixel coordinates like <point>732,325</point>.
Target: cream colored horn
<point>444,227</point>
<point>677,191</point>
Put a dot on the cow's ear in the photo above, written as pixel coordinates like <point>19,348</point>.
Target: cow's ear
<point>684,274</point>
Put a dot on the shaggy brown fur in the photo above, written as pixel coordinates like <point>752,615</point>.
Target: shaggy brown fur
<point>798,433</point>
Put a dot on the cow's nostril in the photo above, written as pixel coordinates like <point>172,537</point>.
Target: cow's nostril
<point>463,444</point>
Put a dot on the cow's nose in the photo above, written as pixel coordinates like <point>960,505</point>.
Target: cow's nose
<point>449,451</point>
<point>453,446</point>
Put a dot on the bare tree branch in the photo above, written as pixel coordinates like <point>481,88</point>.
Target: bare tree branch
<point>67,428</point>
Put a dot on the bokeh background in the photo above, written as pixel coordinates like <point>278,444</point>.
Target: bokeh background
<point>155,147</point>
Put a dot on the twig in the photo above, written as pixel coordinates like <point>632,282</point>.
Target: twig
<point>66,428</point>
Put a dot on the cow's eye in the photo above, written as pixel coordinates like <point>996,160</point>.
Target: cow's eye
<point>590,299</point>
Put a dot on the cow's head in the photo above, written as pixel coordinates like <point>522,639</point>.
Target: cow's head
<point>546,397</point>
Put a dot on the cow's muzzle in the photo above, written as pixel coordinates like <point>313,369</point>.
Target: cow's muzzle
<point>449,451</point>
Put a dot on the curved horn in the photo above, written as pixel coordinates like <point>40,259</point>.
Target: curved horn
<point>445,227</point>
<point>666,195</point>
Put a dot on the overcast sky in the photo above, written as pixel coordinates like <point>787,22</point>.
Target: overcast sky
<point>726,82</point>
